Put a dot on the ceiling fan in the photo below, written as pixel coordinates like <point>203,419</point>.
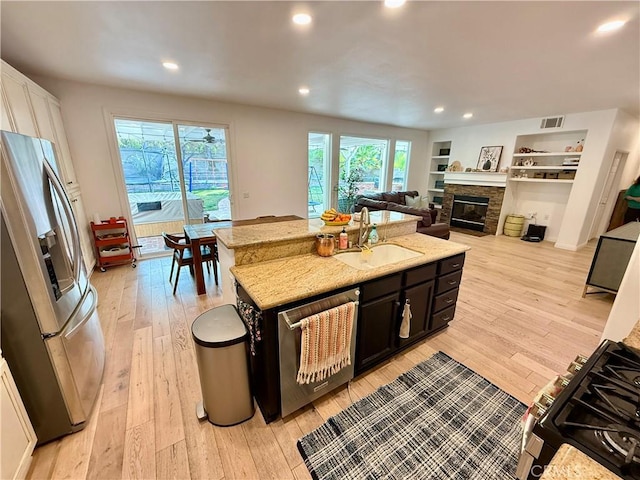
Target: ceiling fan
<point>208,138</point>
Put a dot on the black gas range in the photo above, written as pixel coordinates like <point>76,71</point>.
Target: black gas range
<point>598,413</point>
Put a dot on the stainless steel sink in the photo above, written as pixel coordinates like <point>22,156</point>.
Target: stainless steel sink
<point>378,256</point>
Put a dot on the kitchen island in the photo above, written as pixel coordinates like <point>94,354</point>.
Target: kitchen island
<point>277,269</point>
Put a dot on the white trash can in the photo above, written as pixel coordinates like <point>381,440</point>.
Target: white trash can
<point>221,342</point>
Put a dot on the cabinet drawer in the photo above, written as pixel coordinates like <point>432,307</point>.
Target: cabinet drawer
<point>420,274</point>
<point>445,300</point>
<point>378,288</point>
<point>448,282</point>
<point>451,264</point>
<point>442,318</point>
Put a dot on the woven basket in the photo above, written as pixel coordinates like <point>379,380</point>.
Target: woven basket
<point>513,225</point>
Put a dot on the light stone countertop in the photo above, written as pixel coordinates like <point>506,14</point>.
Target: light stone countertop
<point>569,463</point>
<point>633,339</point>
<point>282,281</point>
<point>248,235</point>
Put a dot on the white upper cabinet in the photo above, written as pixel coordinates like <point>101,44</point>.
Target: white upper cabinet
<point>64,154</point>
<point>33,111</point>
<point>6,121</point>
<point>19,108</point>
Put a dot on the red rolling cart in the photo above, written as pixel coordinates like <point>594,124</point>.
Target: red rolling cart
<point>112,243</point>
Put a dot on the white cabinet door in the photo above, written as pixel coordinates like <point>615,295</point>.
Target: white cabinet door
<point>17,96</point>
<point>62,146</point>
<point>17,436</point>
<point>5,119</point>
<point>86,236</point>
<point>40,103</point>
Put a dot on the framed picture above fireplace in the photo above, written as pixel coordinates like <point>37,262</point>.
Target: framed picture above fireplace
<point>489,159</point>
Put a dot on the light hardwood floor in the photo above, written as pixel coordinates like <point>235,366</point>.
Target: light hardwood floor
<point>520,318</point>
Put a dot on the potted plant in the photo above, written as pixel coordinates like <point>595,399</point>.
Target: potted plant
<point>348,189</point>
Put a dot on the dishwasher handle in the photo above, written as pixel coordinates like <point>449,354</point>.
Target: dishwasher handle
<point>293,326</point>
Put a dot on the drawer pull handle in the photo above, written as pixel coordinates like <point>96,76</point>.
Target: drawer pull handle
<point>455,265</point>
<point>452,282</point>
<point>446,319</point>
<point>449,300</point>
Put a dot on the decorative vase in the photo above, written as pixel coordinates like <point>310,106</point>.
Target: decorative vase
<point>486,165</point>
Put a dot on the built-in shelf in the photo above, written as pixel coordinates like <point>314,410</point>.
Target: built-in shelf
<point>436,173</point>
<point>439,190</point>
<point>440,157</point>
<point>548,154</point>
<point>541,180</point>
<point>484,179</point>
<point>545,167</point>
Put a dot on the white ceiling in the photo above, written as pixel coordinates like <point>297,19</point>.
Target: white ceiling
<point>500,60</point>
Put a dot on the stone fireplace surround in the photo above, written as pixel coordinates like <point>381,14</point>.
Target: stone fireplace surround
<point>495,195</point>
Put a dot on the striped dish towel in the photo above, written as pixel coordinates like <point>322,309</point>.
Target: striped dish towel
<point>325,343</point>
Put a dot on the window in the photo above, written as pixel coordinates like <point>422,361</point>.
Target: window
<point>361,168</point>
<point>400,166</point>
<point>318,177</point>
<point>363,165</point>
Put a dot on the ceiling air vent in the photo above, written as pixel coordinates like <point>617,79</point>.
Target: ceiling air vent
<point>552,122</point>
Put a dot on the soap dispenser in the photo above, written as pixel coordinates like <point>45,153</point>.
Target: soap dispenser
<point>373,236</point>
<point>344,240</point>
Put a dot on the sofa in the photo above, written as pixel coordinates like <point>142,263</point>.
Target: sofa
<point>396,201</point>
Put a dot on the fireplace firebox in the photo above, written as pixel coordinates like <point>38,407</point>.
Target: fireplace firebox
<point>469,212</point>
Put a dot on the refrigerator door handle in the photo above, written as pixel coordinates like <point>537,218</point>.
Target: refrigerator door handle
<point>75,236</point>
<point>66,330</point>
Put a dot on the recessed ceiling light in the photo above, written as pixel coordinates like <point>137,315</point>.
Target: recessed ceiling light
<point>393,3</point>
<point>611,26</point>
<point>302,19</point>
<point>468,115</point>
<point>303,91</point>
<point>438,109</point>
<point>170,65</point>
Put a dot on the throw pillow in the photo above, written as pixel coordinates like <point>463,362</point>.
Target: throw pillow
<point>418,202</point>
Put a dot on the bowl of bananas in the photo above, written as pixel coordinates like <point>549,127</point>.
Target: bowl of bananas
<point>332,217</point>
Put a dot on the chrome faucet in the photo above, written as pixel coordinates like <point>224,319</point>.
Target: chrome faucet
<point>364,222</point>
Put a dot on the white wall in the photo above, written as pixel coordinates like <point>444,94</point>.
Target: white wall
<point>566,209</point>
<point>268,147</point>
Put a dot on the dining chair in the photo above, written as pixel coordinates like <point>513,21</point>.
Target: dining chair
<point>182,255</point>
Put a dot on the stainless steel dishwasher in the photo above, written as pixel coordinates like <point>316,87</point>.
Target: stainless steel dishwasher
<point>293,395</point>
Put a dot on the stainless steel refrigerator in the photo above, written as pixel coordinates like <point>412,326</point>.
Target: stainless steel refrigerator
<point>50,331</point>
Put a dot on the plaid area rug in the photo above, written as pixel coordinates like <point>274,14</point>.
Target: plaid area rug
<point>439,420</point>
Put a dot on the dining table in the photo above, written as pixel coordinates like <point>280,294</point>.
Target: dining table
<point>203,233</point>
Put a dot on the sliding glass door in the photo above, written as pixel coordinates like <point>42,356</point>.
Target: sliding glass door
<point>205,171</point>
<point>173,174</point>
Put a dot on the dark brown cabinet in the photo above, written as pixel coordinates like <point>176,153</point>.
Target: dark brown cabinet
<point>376,331</point>
<point>418,291</point>
<point>377,321</point>
<point>419,298</point>
<point>446,292</point>
<point>432,292</point>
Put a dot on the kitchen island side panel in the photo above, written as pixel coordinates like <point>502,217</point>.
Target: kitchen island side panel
<point>265,370</point>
